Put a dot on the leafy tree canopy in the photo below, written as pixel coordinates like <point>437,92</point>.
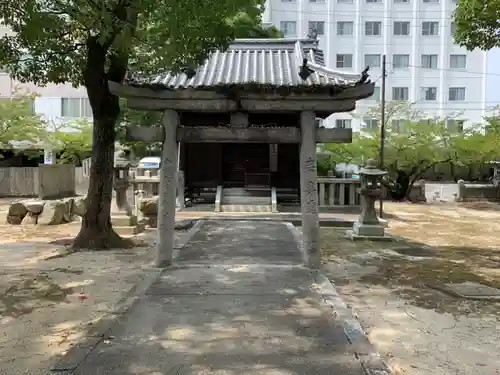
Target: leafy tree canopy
<point>73,141</point>
<point>18,122</point>
<point>477,24</point>
<point>413,146</point>
<point>51,38</point>
<point>92,42</point>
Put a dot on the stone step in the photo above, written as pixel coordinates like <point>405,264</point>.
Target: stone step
<point>246,208</point>
<point>246,200</point>
<point>129,230</point>
<point>242,192</point>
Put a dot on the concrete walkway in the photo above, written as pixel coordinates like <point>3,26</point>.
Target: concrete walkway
<point>238,302</point>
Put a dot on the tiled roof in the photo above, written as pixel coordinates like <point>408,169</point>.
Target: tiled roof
<point>273,62</point>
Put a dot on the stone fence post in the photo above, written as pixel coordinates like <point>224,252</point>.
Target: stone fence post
<point>421,184</point>
<point>180,189</point>
<point>460,191</point>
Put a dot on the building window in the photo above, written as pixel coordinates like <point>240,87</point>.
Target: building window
<point>376,94</point>
<point>373,61</point>
<point>316,1</point>
<point>458,61</point>
<point>75,107</point>
<point>345,1</point>
<point>428,93</point>
<point>429,61</point>
<point>345,28</point>
<point>373,1</point>
<point>456,94</point>
<point>373,28</point>
<point>400,93</point>
<point>430,28</point>
<point>371,123</point>
<point>401,28</point>
<point>288,1</point>
<point>317,26</point>
<point>431,1</point>
<point>456,126</point>
<point>289,28</point>
<point>401,1</point>
<point>398,126</point>
<point>453,26</point>
<point>400,61</point>
<point>427,122</point>
<point>344,61</point>
<point>343,124</point>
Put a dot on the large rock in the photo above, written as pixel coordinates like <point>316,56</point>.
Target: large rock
<point>30,219</point>
<point>149,210</point>
<point>149,206</point>
<point>69,211</point>
<point>53,213</point>
<point>35,207</point>
<point>16,214</point>
<point>80,206</point>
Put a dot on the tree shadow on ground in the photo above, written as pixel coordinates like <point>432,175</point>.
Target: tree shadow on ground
<point>412,270</point>
<point>29,294</point>
<point>211,322</point>
<point>481,206</point>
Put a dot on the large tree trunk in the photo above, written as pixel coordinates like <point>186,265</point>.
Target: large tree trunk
<point>96,231</point>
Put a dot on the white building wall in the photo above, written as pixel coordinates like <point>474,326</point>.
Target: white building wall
<point>473,77</point>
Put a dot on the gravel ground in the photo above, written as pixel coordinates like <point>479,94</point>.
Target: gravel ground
<point>47,304</point>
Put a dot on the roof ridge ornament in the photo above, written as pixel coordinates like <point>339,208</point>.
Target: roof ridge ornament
<point>304,70</point>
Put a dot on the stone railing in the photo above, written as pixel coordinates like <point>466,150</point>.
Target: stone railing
<point>341,192</point>
<point>338,192</point>
<point>468,192</point>
<point>147,185</point>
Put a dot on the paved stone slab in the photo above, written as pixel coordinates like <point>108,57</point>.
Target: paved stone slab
<point>226,335</point>
<point>241,242</point>
<point>237,279</point>
<point>470,290</point>
<point>238,302</point>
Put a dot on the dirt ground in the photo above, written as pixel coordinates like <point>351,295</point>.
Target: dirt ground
<point>391,287</point>
<point>47,303</point>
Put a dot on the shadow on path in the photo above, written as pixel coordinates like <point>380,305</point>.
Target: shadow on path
<point>240,302</point>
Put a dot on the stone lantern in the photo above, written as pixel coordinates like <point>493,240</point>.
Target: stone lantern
<point>124,222</point>
<point>368,225</point>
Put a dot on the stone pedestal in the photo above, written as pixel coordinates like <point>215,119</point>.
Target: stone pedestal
<point>126,224</point>
<point>371,232</point>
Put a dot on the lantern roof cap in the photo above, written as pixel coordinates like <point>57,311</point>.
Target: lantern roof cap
<point>371,169</point>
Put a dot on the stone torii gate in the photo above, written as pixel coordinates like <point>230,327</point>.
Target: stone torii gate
<point>266,77</point>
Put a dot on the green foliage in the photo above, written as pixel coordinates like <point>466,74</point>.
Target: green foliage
<point>19,123</point>
<point>417,147</point>
<point>477,24</point>
<point>131,117</point>
<point>52,37</point>
<point>249,26</point>
<point>73,142</point>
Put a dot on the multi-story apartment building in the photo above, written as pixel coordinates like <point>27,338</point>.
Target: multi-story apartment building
<point>424,65</point>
